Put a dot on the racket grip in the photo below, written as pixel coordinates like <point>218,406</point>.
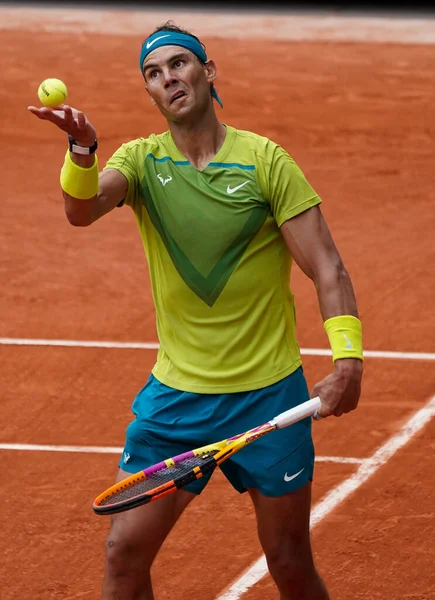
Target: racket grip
<point>306,409</point>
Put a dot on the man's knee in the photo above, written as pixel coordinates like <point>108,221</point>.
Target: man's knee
<point>289,557</point>
<point>125,554</point>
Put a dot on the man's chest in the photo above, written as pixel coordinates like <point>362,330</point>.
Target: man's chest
<point>205,219</point>
<point>228,185</point>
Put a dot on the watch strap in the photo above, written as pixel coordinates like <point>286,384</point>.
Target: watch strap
<point>75,147</point>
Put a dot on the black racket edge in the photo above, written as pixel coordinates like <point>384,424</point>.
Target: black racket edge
<point>179,482</point>
<point>126,505</point>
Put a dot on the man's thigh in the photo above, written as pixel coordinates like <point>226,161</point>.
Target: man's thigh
<point>146,527</point>
<point>284,523</point>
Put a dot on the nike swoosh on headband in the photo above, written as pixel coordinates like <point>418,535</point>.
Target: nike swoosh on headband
<point>149,44</point>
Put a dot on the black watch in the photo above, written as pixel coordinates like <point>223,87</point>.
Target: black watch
<point>75,147</point>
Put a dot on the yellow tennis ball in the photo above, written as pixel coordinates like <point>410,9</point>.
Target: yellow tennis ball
<point>52,92</point>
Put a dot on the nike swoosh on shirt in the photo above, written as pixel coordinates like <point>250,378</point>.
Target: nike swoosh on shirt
<point>287,478</point>
<point>149,44</point>
<point>232,190</point>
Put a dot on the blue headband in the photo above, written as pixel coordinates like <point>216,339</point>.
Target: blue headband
<point>173,38</point>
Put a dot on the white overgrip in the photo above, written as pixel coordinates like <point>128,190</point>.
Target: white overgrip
<point>306,409</point>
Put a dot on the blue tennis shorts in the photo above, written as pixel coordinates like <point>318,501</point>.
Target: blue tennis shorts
<point>168,422</point>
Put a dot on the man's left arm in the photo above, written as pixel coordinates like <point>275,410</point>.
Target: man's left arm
<point>310,242</point>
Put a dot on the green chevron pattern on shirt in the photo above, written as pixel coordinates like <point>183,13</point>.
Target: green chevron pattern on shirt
<point>206,254</point>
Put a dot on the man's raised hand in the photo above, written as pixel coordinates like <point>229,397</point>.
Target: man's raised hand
<point>68,119</point>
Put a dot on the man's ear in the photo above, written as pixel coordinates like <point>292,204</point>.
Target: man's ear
<point>210,70</point>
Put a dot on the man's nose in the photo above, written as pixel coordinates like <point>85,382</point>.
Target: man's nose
<point>169,79</point>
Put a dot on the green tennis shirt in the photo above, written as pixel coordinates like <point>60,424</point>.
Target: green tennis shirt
<point>219,267</point>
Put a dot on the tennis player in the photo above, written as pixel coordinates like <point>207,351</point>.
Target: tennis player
<point>222,214</point>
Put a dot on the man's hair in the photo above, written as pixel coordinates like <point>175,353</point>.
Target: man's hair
<point>171,26</point>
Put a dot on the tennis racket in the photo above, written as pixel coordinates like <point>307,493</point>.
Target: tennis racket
<point>174,473</point>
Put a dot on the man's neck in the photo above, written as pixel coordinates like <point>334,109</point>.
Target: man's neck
<point>201,141</point>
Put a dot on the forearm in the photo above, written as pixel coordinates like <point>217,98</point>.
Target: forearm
<point>79,212</point>
<point>338,307</point>
<point>89,195</point>
<point>335,292</point>
<point>79,179</point>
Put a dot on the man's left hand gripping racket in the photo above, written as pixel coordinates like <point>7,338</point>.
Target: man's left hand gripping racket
<point>176,472</point>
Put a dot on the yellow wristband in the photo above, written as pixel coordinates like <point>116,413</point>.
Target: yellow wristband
<point>79,182</point>
<point>345,337</point>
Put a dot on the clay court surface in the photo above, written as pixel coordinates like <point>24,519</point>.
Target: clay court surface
<point>354,105</point>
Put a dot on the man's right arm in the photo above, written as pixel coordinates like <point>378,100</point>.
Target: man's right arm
<point>112,184</point>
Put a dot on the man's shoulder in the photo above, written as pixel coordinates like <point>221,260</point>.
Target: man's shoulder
<point>132,155</point>
<point>259,146</point>
<point>252,138</point>
<point>147,144</point>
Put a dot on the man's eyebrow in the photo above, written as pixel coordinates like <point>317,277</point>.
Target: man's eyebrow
<point>173,57</point>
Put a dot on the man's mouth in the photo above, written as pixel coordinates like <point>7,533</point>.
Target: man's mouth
<point>177,96</point>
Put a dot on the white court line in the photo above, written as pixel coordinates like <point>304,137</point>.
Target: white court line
<point>376,354</point>
<point>79,344</point>
<point>56,448</point>
<point>155,346</point>
<point>342,492</point>
<point>345,460</point>
<point>118,450</point>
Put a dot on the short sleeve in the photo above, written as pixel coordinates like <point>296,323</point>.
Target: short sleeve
<point>289,192</point>
<point>123,160</point>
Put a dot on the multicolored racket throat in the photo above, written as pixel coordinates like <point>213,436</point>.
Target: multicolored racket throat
<point>174,473</point>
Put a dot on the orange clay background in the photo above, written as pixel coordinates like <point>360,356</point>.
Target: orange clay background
<point>359,119</point>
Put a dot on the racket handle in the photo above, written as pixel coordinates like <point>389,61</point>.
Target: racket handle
<point>306,409</point>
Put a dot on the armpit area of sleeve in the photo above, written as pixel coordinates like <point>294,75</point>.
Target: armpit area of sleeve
<point>125,170</point>
<point>285,215</point>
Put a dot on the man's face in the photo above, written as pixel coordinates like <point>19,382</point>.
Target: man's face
<point>178,83</point>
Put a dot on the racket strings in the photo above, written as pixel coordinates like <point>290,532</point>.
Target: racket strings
<point>163,476</point>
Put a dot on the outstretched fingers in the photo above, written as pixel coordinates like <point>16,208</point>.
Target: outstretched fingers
<point>41,113</point>
<point>67,116</point>
<point>56,115</point>
<point>68,119</point>
<point>81,121</point>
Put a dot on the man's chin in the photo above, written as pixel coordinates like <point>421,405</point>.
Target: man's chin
<point>179,113</point>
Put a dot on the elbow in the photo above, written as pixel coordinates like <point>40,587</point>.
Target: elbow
<point>78,212</point>
<point>338,270</point>
<point>78,220</point>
